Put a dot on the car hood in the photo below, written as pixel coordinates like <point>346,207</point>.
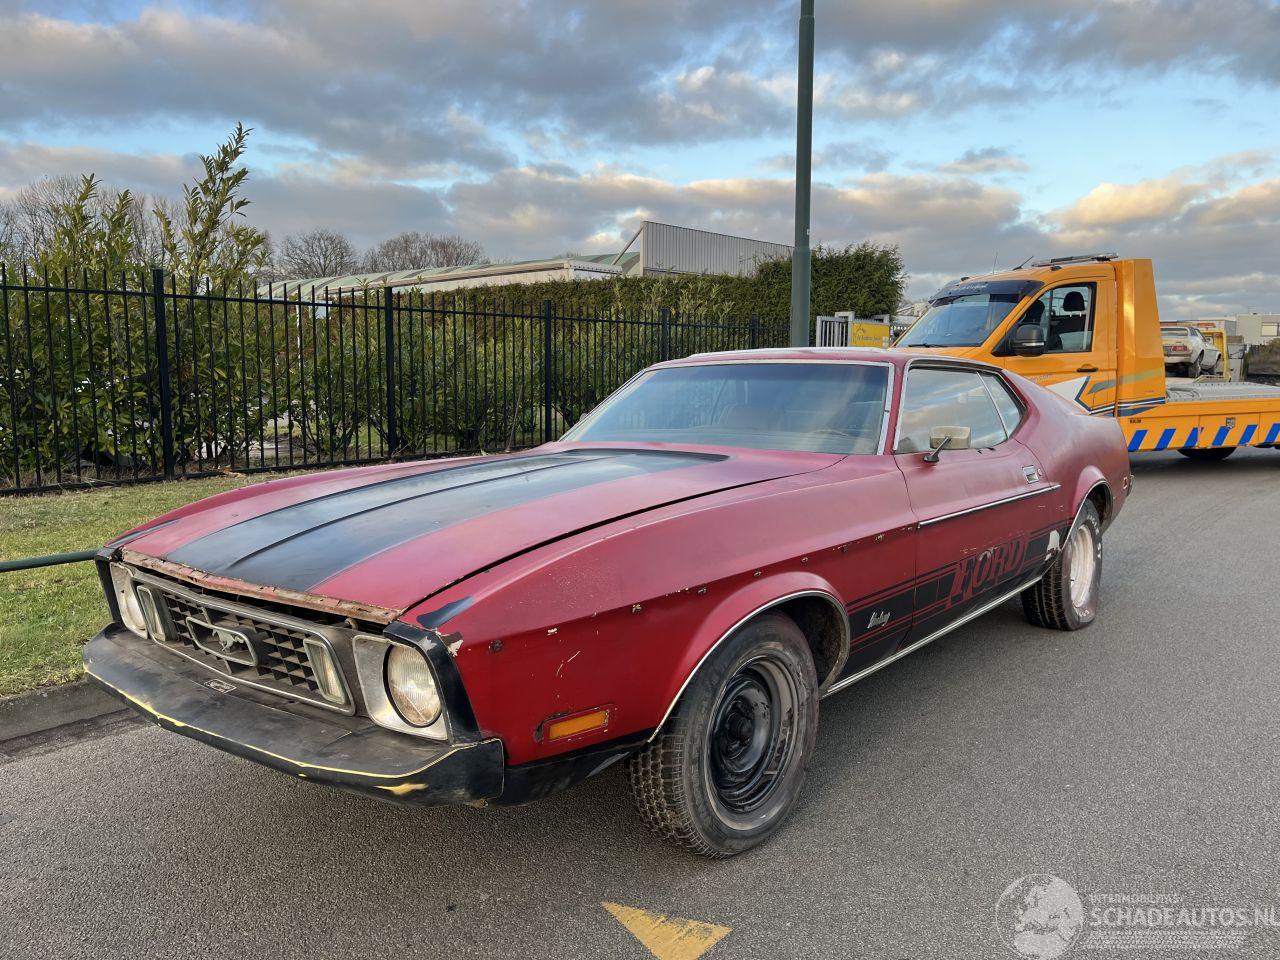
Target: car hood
<point>387,538</point>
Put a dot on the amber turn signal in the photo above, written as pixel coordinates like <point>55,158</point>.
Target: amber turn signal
<point>576,724</point>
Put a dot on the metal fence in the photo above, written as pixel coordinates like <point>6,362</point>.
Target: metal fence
<point>132,378</point>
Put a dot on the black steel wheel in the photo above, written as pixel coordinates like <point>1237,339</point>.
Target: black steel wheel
<point>751,739</point>
<point>728,766</point>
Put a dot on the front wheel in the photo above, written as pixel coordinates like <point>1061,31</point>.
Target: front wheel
<point>1066,598</point>
<point>727,768</point>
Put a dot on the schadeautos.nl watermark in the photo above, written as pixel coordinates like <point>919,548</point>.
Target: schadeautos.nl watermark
<point>1042,917</point>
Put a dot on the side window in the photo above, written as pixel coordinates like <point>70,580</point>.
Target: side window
<point>1006,403</point>
<point>934,397</point>
<point>1065,315</point>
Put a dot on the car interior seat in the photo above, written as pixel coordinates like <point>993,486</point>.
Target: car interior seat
<point>1069,322</point>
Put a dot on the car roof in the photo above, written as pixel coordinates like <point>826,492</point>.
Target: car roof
<point>898,358</point>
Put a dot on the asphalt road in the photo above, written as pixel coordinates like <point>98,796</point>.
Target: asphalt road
<point>1136,758</point>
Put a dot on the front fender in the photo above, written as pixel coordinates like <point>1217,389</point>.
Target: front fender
<point>735,610</point>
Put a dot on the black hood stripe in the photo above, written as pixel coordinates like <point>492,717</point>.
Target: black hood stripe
<point>298,546</point>
<point>293,523</point>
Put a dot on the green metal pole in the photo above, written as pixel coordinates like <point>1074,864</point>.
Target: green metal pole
<point>800,260</point>
<point>30,563</point>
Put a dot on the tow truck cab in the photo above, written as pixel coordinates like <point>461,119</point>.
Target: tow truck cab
<point>1088,328</point>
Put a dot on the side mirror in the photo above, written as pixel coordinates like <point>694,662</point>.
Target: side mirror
<point>951,438</point>
<point>1028,340</point>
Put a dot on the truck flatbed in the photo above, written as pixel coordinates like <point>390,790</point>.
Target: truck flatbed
<point>1205,415</point>
<point>1221,390</point>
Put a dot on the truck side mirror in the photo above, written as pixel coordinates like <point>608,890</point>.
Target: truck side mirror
<point>950,438</point>
<point>1028,340</point>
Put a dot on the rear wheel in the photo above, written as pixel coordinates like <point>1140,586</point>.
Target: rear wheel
<point>1213,453</point>
<point>1066,598</point>
<point>727,768</point>
<point>1193,368</point>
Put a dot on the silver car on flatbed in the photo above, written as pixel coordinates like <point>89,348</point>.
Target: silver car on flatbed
<point>1186,347</point>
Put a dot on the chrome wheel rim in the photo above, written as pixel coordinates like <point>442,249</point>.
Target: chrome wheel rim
<point>1084,561</point>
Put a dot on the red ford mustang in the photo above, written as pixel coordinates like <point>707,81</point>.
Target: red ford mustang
<point>724,541</point>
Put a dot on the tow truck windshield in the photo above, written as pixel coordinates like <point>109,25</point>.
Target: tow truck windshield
<point>964,321</point>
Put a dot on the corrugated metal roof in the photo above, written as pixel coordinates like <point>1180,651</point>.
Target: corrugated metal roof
<point>422,278</point>
<point>666,248</point>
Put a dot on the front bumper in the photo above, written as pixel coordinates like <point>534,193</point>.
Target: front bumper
<point>349,752</point>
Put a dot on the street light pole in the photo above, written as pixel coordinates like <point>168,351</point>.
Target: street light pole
<point>800,260</point>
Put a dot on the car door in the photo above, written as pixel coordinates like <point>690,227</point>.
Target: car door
<point>983,527</point>
<point>1079,361</point>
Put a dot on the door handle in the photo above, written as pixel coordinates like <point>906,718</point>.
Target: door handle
<point>1086,368</point>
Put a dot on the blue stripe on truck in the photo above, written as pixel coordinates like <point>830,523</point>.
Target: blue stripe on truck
<point>1192,438</point>
<point>1136,442</point>
<point>1273,434</point>
<point>1249,431</point>
<point>1220,437</point>
<point>1166,437</point>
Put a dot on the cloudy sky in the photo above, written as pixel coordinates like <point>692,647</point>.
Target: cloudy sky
<point>970,132</point>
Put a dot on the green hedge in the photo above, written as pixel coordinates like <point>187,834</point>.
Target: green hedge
<point>867,278</point>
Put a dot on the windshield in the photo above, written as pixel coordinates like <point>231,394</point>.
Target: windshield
<point>813,407</point>
<point>961,321</point>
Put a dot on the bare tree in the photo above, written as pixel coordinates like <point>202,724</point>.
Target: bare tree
<point>33,218</point>
<point>32,214</point>
<point>316,253</point>
<point>412,250</point>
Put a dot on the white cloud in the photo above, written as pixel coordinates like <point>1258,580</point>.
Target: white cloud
<point>986,160</point>
<point>473,116</point>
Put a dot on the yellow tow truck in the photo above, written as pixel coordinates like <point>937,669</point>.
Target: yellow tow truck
<point>1088,328</point>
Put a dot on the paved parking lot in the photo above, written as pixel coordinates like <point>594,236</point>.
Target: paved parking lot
<point>1135,758</point>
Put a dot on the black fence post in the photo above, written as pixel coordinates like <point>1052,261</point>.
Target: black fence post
<point>664,343</point>
<point>389,367</point>
<point>755,331</point>
<point>162,364</point>
<point>548,372</point>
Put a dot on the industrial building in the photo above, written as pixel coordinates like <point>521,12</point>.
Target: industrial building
<point>1253,329</point>
<point>656,249</point>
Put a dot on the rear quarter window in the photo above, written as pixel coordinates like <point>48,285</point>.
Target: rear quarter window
<point>1006,403</point>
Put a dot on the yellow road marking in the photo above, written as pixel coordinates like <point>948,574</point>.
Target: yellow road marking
<point>668,938</point>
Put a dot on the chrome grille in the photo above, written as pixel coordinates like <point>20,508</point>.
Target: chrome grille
<point>280,660</point>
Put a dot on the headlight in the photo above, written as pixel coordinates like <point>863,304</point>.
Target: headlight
<point>411,686</point>
<point>127,599</point>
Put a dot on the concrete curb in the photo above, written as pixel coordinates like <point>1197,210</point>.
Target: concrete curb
<point>52,707</point>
